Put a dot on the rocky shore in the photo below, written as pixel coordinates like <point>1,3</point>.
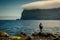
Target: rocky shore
<point>34,36</point>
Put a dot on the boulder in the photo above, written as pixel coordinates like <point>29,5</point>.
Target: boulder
<point>29,38</point>
<point>3,34</point>
<point>35,34</point>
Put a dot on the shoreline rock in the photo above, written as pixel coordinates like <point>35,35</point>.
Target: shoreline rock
<point>34,36</point>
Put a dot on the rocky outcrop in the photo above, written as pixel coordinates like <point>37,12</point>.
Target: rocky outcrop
<point>3,34</point>
<point>41,14</point>
<point>34,36</point>
<point>45,36</point>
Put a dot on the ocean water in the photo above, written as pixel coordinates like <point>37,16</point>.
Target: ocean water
<point>29,26</point>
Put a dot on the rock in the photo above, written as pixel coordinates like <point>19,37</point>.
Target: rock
<point>56,39</point>
<point>43,34</point>
<point>47,34</point>
<point>23,34</point>
<point>3,34</point>
<point>59,36</point>
<point>29,38</point>
<point>15,37</point>
<point>35,34</point>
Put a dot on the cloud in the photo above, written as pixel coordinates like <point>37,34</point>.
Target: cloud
<point>42,5</point>
<point>49,0</point>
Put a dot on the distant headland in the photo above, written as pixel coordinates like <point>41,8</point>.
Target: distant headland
<point>41,14</point>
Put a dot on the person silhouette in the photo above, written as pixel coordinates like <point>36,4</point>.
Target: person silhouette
<point>40,27</point>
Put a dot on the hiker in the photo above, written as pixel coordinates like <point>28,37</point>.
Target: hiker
<point>40,27</point>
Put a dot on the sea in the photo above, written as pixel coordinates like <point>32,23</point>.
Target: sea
<point>13,27</point>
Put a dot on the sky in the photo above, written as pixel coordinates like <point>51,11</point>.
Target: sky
<point>11,9</point>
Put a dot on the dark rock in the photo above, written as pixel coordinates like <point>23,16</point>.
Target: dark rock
<point>35,34</point>
<point>56,39</point>
<point>59,36</point>
<point>46,35</point>
<point>23,33</point>
<point>42,34</point>
<point>29,38</point>
<point>3,34</point>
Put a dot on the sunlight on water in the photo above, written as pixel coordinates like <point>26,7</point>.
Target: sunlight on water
<point>30,26</point>
<point>48,25</point>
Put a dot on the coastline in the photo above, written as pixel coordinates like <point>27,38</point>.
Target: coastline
<point>33,36</point>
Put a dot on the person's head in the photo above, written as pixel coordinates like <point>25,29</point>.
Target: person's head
<point>40,23</point>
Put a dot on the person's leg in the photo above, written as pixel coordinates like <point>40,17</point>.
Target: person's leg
<point>40,30</point>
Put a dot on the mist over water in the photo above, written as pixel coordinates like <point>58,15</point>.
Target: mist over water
<point>29,26</point>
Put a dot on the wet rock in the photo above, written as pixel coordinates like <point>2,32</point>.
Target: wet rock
<point>35,34</point>
<point>3,34</point>
<point>5,38</point>
<point>56,39</point>
<point>43,34</point>
<point>15,37</point>
<point>23,33</point>
<point>29,38</point>
<point>59,36</point>
<point>47,35</point>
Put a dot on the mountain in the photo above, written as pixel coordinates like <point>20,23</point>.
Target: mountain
<point>41,14</point>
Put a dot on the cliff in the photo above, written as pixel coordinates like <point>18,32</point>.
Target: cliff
<point>41,14</point>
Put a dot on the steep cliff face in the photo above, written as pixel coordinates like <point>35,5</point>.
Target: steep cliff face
<point>41,14</point>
